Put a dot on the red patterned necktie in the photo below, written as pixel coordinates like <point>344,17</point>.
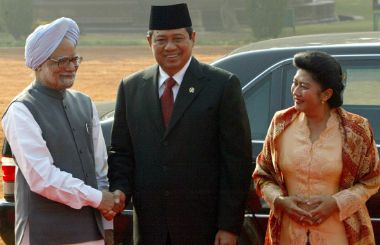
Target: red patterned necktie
<point>167,100</point>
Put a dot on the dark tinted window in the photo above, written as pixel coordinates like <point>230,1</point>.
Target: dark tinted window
<point>257,99</point>
<point>289,72</point>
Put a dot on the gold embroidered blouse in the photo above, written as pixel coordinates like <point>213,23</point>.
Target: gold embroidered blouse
<point>343,162</point>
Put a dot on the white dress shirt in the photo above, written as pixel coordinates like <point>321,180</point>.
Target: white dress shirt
<point>43,177</point>
<point>178,77</point>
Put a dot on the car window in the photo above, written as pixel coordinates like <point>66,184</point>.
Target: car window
<point>362,86</point>
<point>257,100</point>
<point>361,94</point>
<point>289,72</point>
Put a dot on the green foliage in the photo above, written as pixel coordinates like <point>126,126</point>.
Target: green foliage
<point>267,17</point>
<point>16,17</point>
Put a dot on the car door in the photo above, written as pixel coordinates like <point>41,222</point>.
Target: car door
<point>263,97</point>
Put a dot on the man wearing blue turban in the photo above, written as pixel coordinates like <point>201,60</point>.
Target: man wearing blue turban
<point>59,148</point>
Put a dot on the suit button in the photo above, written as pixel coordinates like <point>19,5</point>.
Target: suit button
<point>80,151</point>
<point>167,193</point>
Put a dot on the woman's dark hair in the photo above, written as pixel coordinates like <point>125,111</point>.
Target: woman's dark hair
<point>325,70</point>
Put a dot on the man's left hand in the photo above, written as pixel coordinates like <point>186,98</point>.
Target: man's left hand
<point>225,238</point>
<point>119,201</point>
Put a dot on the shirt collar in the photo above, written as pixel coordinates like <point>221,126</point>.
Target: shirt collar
<point>178,77</point>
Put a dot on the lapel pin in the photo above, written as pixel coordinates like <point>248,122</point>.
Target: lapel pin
<point>191,90</point>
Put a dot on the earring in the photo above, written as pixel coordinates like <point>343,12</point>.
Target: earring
<point>322,101</point>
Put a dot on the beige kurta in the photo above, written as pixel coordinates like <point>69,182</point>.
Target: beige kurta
<point>312,169</point>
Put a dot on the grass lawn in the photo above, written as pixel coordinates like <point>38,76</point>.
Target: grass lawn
<point>361,8</point>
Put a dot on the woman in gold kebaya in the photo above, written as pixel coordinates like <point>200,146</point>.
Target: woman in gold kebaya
<point>319,163</point>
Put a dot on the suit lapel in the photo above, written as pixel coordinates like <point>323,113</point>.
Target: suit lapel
<point>151,99</point>
<point>191,85</point>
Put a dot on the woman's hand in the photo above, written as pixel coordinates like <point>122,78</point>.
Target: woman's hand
<point>291,205</point>
<point>324,207</point>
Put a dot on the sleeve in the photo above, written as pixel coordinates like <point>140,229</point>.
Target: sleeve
<point>236,161</point>
<point>264,174</point>
<point>100,155</point>
<point>351,200</point>
<point>121,156</point>
<point>36,163</point>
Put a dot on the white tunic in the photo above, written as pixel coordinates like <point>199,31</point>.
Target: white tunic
<point>42,175</point>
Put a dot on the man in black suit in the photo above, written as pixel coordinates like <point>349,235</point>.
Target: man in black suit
<point>181,142</point>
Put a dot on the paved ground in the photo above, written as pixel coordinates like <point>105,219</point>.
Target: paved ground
<point>98,75</point>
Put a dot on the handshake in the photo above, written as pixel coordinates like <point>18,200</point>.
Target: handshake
<point>112,203</point>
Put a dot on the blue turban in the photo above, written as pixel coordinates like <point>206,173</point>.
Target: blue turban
<point>45,39</point>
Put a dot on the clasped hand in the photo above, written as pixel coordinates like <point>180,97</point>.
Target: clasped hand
<point>310,211</point>
<point>112,203</point>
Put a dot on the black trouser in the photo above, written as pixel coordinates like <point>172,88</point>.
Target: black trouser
<point>168,240</point>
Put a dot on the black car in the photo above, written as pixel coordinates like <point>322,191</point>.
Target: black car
<point>266,72</point>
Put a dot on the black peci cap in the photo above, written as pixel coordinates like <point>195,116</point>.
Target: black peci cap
<point>169,17</point>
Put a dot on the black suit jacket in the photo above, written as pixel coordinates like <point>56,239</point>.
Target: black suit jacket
<point>191,179</point>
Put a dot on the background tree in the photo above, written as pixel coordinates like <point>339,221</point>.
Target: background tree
<point>267,17</point>
<point>16,17</point>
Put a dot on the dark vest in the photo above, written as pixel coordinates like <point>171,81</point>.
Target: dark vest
<point>65,118</point>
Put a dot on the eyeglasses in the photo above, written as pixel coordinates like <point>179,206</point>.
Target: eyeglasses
<point>65,61</point>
